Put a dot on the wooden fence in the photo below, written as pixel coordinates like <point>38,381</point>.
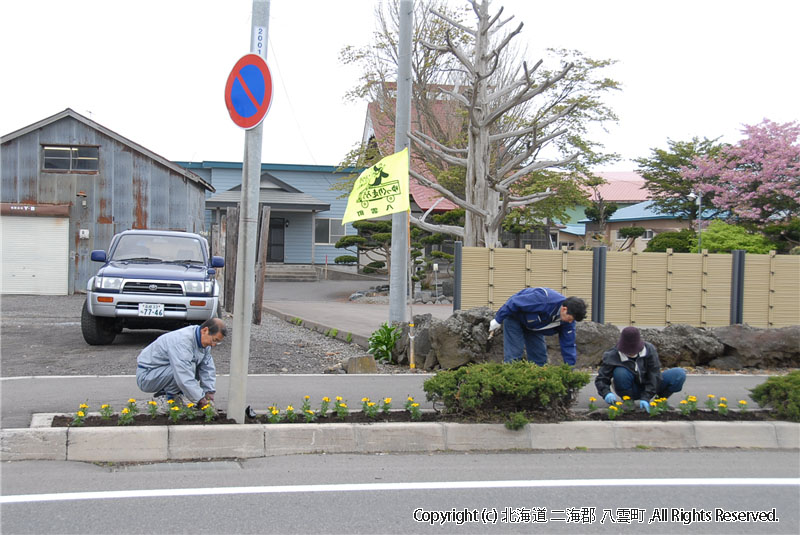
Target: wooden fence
<point>644,289</point>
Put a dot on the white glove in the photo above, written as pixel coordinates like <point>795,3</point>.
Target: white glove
<point>493,325</point>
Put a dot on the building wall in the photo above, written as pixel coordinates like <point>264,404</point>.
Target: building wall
<point>129,190</point>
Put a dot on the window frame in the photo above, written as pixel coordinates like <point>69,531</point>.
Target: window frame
<point>73,158</point>
<point>329,220</point>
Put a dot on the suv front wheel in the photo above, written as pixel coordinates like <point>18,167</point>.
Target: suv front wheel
<point>97,331</point>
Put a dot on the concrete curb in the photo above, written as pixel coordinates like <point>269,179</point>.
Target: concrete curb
<point>204,442</point>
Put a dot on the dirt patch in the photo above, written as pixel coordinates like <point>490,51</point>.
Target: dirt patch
<point>405,417</point>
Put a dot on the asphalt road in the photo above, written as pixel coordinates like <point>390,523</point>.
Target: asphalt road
<point>577,492</point>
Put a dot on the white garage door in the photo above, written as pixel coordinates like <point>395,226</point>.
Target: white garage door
<point>35,254</point>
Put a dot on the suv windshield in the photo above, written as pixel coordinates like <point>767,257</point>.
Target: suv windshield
<point>149,247</point>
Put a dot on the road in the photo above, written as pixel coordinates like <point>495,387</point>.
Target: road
<point>514,493</point>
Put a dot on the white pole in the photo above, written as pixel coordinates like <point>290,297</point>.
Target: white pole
<point>248,226</point>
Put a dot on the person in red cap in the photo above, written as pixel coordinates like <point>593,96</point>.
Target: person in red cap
<point>635,371</point>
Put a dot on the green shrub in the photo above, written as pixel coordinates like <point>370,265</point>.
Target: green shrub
<point>345,259</point>
<point>781,393</point>
<point>382,341</point>
<point>516,421</point>
<point>506,388</point>
<point>679,242</point>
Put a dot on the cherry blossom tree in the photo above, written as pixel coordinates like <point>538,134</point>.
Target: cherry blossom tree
<point>756,180</point>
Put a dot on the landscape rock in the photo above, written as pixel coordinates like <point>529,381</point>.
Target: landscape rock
<point>684,345</point>
<point>760,348</point>
<point>365,364</point>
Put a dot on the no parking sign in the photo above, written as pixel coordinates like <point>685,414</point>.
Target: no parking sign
<point>248,91</point>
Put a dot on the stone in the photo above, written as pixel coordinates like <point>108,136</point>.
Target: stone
<point>365,364</point>
<point>761,348</point>
<point>684,345</point>
<point>463,338</point>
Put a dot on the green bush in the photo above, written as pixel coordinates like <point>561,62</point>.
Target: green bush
<point>345,259</point>
<point>516,421</point>
<point>382,341</point>
<point>374,267</point>
<point>495,387</point>
<point>781,393</point>
<point>679,242</point>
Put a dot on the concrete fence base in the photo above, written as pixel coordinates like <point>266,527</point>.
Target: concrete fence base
<point>202,442</point>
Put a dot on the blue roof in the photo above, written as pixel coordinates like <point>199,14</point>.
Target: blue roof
<point>577,230</point>
<point>636,212</point>
<point>269,167</point>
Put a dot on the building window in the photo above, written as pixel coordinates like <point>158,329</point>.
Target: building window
<point>328,231</point>
<point>648,235</point>
<point>61,158</point>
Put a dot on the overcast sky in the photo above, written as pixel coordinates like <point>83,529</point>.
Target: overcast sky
<point>154,71</point>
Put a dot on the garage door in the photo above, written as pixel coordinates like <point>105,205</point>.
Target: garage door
<point>35,255</point>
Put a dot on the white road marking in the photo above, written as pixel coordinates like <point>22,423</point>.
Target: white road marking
<point>424,485</point>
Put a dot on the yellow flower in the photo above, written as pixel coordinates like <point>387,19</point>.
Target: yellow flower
<point>326,399</point>
<point>723,400</point>
<point>711,396</point>
<point>306,398</point>
<point>309,411</point>
<point>151,402</point>
<point>81,414</point>
<point>371,404</point>
<point>415,404</point>
<point>723,405</point>
<point>343,405</point>
<point>684,402</point>
<point>83,406</point>
<point>618,403</point>
<point>173,408</point>
<point>170,401</point>
<point>104,406</point>
<point>190,405</point>
<point>613,408</point>
<point>742,402</point>
<point>126,410</point>
<point>387,400</point>
<point>625,398</point>
<point>289,408</point>
<point>692,399</point>
<point>364,400</point>
<point>653,404</point>
<point>131,400</point>
<point>592,399</point>
<point>338,398</point>
<point>410,398</point>
<point>275,412</point>
<point>204,407</point>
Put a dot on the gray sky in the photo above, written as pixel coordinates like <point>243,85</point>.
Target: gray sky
<point>154,71</point>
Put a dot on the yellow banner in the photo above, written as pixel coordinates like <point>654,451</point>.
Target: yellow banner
<point>380,190</point>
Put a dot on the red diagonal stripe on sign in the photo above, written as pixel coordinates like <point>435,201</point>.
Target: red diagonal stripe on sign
<point>247,90</point>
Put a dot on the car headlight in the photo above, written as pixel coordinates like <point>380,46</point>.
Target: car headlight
<point>197,287</point>
<point>107,283</point>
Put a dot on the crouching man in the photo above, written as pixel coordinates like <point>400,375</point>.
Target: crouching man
<point>633,368</point>
<point>180,363</point>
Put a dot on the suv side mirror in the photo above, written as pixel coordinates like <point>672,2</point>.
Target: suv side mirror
<point>216,261</point>
<point>98,256</point>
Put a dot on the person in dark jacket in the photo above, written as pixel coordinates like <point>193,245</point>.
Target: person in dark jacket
<point>635,371</point>
<point>533,313</point>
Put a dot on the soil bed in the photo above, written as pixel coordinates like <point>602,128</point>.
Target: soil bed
<point>402,417</point>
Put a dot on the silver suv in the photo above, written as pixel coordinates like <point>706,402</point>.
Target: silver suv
<point>150,279</point>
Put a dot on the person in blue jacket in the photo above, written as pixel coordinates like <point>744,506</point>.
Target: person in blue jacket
<point>533,313</point>
<point>180,363</point>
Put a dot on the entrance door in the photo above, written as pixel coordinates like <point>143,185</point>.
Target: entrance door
<point>277,227</point>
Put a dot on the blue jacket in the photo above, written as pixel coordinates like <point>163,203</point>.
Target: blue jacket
<point>539,309</point>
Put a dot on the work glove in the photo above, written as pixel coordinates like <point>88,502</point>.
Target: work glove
<point>203,401</point>
<point>611,398</point>
<point>210,395</point>
<point>493,325</point>
<point>644,404</point>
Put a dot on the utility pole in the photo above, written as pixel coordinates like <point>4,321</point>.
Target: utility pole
<point>398,276</point>
<point>248,225</point>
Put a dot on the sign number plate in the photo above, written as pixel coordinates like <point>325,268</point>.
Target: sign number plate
<point>151,310</point>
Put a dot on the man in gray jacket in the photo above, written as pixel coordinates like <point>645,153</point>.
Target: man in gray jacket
<point>180,362</point>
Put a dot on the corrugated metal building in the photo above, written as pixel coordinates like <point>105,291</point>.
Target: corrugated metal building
<point>68,184</point>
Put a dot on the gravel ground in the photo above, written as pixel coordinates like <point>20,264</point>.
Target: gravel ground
<point>41,335</point>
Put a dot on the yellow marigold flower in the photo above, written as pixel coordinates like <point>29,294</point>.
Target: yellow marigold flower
<point>289,408</point>
<point>684,402</point>
<point>653,404</point>
<point>625,398</point>
<point>365,400</point>
<point>415,404</point>
<point>131,400</point>
<point>723,400</point>
<point>410,398</point>
<point>344,405</point>
<point>613,408</point>
<point>81,414</point>
<point>618,403</point>
<point>711,396</point>
<point>126,410</point>
<point>173,408</point>
<point>387,400</point>
<point>338,398</point>
<point>170,401</point>
<point>83,406</point>
<point>275,412</point>
<point>692,399</point>
<point>742,402</point>
<point>204,407</point>
<point>151,402</point>
<point>371,404</point>
<point>326,399</point>
<point>592,399</point>
<point>190,405</point>
<point>104,406</point>
<point>309,411</point>
<point>723,405</point>
<point>306,398</point>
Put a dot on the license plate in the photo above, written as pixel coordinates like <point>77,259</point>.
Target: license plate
<point>151,310</point>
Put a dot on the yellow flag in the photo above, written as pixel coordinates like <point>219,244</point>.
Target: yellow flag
<point>380,190</point>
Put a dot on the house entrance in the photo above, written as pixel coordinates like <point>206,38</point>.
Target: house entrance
<point>277,226</point>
